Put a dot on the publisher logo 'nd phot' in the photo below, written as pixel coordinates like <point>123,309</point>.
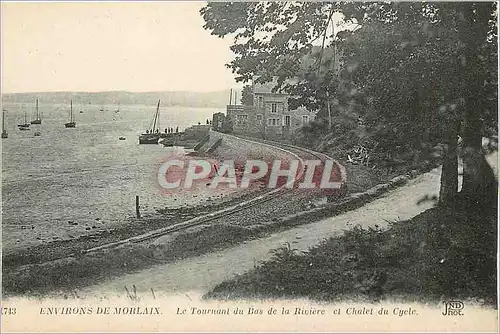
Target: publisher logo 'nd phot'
<point>453,308</point>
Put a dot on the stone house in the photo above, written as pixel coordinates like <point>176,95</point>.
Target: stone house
<point>270,116</point>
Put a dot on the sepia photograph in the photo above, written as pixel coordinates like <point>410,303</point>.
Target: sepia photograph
<point>272,166</point>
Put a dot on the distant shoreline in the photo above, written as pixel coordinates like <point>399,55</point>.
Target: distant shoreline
<point>215,99</point>
<point>75,104</point>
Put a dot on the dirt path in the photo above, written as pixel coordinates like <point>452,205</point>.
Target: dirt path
<point>201,273</point>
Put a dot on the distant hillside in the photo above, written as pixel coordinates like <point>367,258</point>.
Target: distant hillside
<point>218,99</point>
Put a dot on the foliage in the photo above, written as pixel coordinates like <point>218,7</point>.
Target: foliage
<point>417,48</point>
<point>418,85</point>
<point>412,75</point>
<point>272,39</point>
<point>247,96</point>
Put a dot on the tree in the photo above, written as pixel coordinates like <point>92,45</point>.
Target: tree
<point>272,38</point>
<point>428,83</point>
<point>281,39</point>
<point>405,58</point>
<point>474,29</point>
<point>247,96</point>
<point>418,69</point>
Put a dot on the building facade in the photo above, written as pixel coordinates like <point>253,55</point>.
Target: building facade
<point>270,116</point>
<point>218,121</point>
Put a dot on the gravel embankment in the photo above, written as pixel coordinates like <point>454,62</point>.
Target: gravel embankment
<point>99,234</point>
<point>201,273</point>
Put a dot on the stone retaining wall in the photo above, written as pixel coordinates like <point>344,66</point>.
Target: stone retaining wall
<point>240,150</point>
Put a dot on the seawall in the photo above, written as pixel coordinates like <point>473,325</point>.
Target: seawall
<point>239,150</point>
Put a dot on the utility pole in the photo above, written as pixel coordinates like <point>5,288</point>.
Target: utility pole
<point>328,106</point>
<point>328,87</point>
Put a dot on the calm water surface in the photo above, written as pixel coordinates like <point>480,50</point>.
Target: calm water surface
<point>84,173</point>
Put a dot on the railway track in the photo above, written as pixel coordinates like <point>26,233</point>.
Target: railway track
<point>282,194</point>
<point>264,208</point>
<point>315,154</point>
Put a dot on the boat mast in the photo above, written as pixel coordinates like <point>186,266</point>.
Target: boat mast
<point>3,121</point>
<point>37,113</point>
<point>71,112</point>
<point>156,117</point>
<point>25,121</point>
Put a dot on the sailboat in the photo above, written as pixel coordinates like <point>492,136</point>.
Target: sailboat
<point>71,123</point>
<point>37,120</point>
<point>152,135</point>
<point>118,109</point>
<point>26,125</point>
<point>4,133</point>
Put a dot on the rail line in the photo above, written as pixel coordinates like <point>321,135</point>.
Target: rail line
<point>318,155</point>
<point>223,212</point>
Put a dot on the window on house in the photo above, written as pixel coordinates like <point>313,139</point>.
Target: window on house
<point>261,101</point>
<point>305,119</point>
<point>274,107</point>
<point>242,119</point>
<point>273,121</point>
<point>287,120</point>
<point>259,119</point>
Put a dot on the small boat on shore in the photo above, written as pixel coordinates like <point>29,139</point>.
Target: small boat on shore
<point>71,123</point>
<point>152,135</point>
<point>170,139</point>
<point>122,138</point>
<point>38,134</point>
<point>38,119</point>
<point>4,132</point>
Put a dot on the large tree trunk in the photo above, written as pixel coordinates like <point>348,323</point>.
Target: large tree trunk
<point>449,174</point>
<point>473,33</point>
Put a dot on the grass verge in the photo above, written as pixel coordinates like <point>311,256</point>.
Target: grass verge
<point>441,253</point>
<point>63,276</point>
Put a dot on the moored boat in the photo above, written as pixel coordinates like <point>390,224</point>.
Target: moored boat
<point>149,138</point>
<point>71,123</point>
<point>38,119</point>
<point>25,125</point>
<point>170,139</point>
<point>152,135</point>
<point>4,132</point>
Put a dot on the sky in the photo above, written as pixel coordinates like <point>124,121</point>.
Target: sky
<point>107,46</point>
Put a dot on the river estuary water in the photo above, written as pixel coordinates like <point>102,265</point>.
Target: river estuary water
<point>85,174</point>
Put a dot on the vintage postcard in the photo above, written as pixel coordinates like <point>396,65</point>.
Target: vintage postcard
<point>249,166</point>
